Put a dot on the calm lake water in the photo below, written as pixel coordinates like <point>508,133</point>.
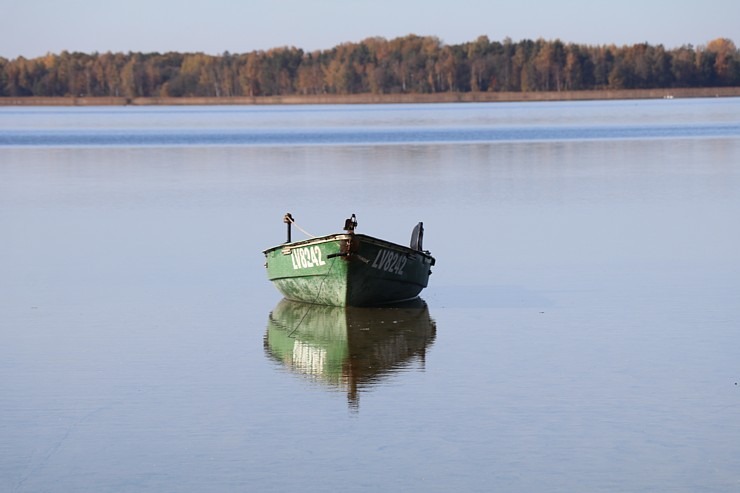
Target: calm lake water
<point>580,333</point>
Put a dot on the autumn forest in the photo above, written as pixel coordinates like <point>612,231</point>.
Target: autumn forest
<point>410,64</point>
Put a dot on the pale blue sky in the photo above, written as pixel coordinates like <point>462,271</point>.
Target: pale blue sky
<point>35,27</point>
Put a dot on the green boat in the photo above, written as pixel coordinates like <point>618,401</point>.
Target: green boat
<point>349,269</point>
<point>349,349</point>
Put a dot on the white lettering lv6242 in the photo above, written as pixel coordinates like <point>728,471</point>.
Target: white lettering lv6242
<point>306,257</point>
<point>389,261</point>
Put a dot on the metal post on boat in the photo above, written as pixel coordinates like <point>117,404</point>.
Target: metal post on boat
<point>350,224</point>
<point>288,219</point>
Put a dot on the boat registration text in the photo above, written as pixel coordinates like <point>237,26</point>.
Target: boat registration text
<point>389,261</point>
<point>306,257</point>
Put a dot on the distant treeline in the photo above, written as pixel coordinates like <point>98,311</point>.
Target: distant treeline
<point>410,64</point>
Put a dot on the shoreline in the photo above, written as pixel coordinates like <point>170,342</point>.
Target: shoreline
<point>458,97</point>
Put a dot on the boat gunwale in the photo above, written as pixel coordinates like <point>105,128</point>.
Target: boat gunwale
<point>346,236</point>
<point>309,241</point>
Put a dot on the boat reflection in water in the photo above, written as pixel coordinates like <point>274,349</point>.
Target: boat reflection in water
<point>349,348</point>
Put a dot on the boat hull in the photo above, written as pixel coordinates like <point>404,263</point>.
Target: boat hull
<point>348,270</point>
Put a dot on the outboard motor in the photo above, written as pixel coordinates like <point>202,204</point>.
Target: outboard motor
<point>417,236</point>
